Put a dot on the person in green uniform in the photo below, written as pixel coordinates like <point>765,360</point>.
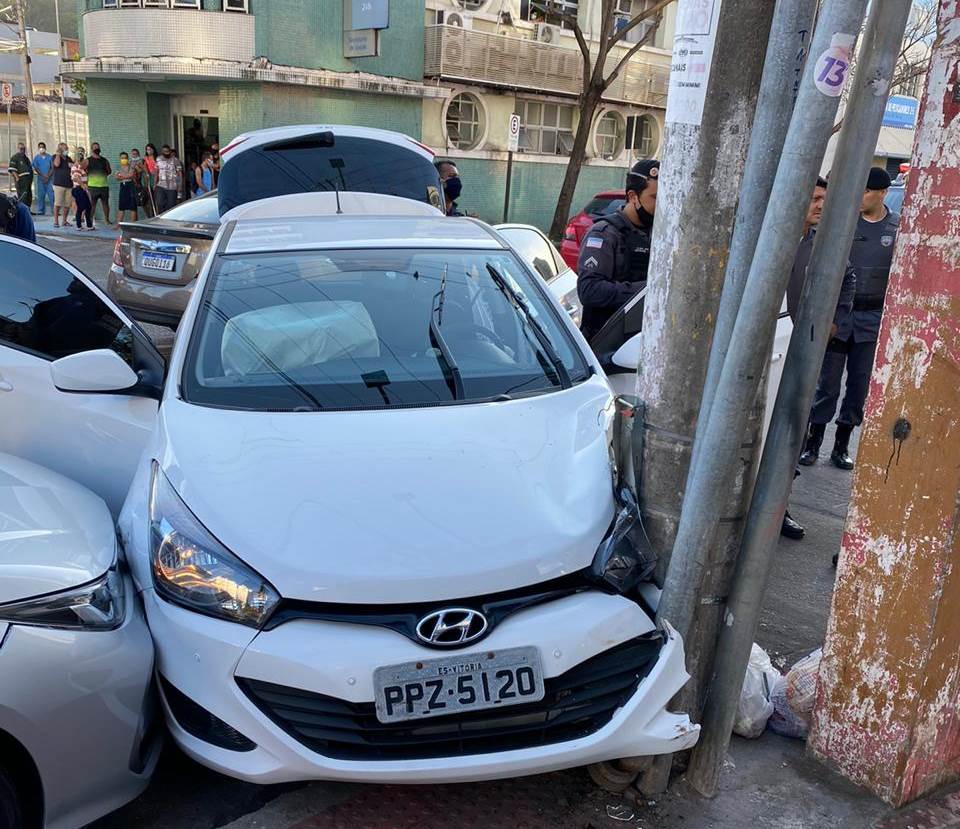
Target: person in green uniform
<point>21,171</point>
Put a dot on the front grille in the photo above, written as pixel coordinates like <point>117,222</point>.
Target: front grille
<point>576,704</point>
<point>196,720</point>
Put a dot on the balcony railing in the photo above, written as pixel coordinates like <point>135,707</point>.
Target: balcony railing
<point>472,56</point>
<point>168,32</point>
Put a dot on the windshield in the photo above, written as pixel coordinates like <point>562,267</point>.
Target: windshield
<point>327,162</point>
<point>364,329</point>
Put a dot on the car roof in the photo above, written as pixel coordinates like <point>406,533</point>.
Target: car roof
<point>256,138</point>
<point>610,194</point>
<point>289,233</point>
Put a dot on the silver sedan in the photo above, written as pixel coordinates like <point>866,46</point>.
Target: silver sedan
<point>78,731</point>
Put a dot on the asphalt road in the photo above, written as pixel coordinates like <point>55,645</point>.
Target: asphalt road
<point>774,777</point>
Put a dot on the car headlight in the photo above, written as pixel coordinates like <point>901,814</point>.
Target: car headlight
<point>96,605</point>
<point>192,569</point>
<point>625,556</point>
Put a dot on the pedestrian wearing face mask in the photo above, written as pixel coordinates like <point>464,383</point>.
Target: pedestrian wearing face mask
<point>127,202</point>
<point>452,186</point>
<point>21,171</point>
<point>169,176</point>
<point>98,182</point>
<point>615,253</point>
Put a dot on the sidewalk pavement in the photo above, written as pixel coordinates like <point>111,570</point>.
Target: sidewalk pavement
<point>44,227</point>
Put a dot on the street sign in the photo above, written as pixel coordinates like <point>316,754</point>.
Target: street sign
<point>513,136</point>
<point>360,43</point>
<point>901,111</point>
<point>369,14</point>
<point>6,94</point>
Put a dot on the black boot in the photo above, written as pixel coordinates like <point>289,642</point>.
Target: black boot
<point>790,528</point>
<point>812,449</point>
<point>840,456</point>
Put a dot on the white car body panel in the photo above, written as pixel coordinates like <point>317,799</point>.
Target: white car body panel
<point>347,203</point>
<point>54,533</point>
<point>286,493</point>
<point>94,439</point>
<point>77,701</point>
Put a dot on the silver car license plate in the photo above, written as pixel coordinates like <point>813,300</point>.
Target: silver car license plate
<point>457,684</point>
<point>158,261</point>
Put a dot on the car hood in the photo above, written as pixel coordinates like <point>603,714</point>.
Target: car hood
<point>401,505</point>
<point>54,533</point>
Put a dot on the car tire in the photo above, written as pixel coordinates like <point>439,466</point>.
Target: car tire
<point>11,813</point>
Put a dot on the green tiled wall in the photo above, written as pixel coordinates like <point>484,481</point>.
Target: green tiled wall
<point>533,190</point>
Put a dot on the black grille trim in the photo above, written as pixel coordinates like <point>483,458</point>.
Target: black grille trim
<point>196,720</point>
<point>403,618</point>
<point>576,704</point>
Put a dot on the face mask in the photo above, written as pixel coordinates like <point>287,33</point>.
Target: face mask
<point>124,162</point>
<point>96,151</point>
<point>136,158</point>
<point>453,187</point>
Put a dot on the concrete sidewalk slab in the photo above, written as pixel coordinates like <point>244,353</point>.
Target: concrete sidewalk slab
<point>44,227</point>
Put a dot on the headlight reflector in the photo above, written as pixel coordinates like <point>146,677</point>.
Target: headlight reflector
<point>194,570</point>
<point>96,605</point>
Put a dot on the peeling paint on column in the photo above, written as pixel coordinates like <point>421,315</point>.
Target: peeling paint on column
<point>887,707</point>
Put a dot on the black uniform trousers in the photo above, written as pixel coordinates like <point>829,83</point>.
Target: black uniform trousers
<point>857,358</point>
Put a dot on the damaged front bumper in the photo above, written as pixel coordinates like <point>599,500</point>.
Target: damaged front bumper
<point>330,665</point>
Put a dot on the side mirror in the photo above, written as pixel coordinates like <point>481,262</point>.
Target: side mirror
<point>628,355</point>
<point>101,370</point>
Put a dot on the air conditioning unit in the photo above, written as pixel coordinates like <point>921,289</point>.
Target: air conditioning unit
<point>463,21</point>
<point>547,33</point>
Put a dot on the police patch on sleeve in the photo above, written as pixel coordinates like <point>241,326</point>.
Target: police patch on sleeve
<point>591,263</point>
<point>594,242</point>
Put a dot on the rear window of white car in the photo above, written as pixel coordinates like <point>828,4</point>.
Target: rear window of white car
<point>326,162</point>
<point>365,329</point>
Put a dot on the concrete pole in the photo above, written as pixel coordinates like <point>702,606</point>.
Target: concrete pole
<point>21,11</point>
<point>701,170</point>
<point>886,712</point>
<point>783,68</point>
<point>861,126</point>
<point>720,469</point>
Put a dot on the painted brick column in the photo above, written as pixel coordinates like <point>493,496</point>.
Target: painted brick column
<point>887,709</point>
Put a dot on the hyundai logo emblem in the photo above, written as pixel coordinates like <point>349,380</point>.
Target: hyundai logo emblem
<point>451,627</point>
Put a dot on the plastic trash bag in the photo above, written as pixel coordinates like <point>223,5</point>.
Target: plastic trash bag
<point>755,707</point>
<point>793,697</point>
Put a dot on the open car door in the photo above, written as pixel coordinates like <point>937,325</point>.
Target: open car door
<point>79,381</point>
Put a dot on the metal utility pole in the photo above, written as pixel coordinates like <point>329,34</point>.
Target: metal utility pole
<point>782,70</point>
<point>63,95</point>
<point>21,12</point>
<point>858,137</point>
<point>719,468</point>
<point>705,147</point>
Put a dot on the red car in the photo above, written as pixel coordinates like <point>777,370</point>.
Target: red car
<point>606,202</point>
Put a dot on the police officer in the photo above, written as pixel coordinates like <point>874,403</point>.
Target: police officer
<point>855,341</point>
<point>615,253</point>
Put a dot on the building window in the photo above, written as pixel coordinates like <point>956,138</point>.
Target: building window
<point>608,138</point>
<point>464,121</point>
<point>471,5</point>
<point>155,3</point>
<point>185,4</point>
<point>643,135</point>
<point>107,4</point>
<point>236,6</point>
<point>545,128</point>
<point>555,12</point>
<point>627,10</point>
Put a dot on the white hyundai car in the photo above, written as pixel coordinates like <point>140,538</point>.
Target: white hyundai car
<point>375,521</point>
<point>79,722</point>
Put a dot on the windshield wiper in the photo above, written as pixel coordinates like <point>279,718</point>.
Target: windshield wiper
<point>530,324</point>
<point>451,371</point>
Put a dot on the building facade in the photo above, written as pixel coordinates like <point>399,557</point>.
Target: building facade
<point>449,73</point>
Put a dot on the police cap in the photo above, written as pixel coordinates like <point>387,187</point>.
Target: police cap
<point>879,179</point>
<point>642,172</point>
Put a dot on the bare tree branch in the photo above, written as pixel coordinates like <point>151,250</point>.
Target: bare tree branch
<point>637,19</point>
<point>627,56</point>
